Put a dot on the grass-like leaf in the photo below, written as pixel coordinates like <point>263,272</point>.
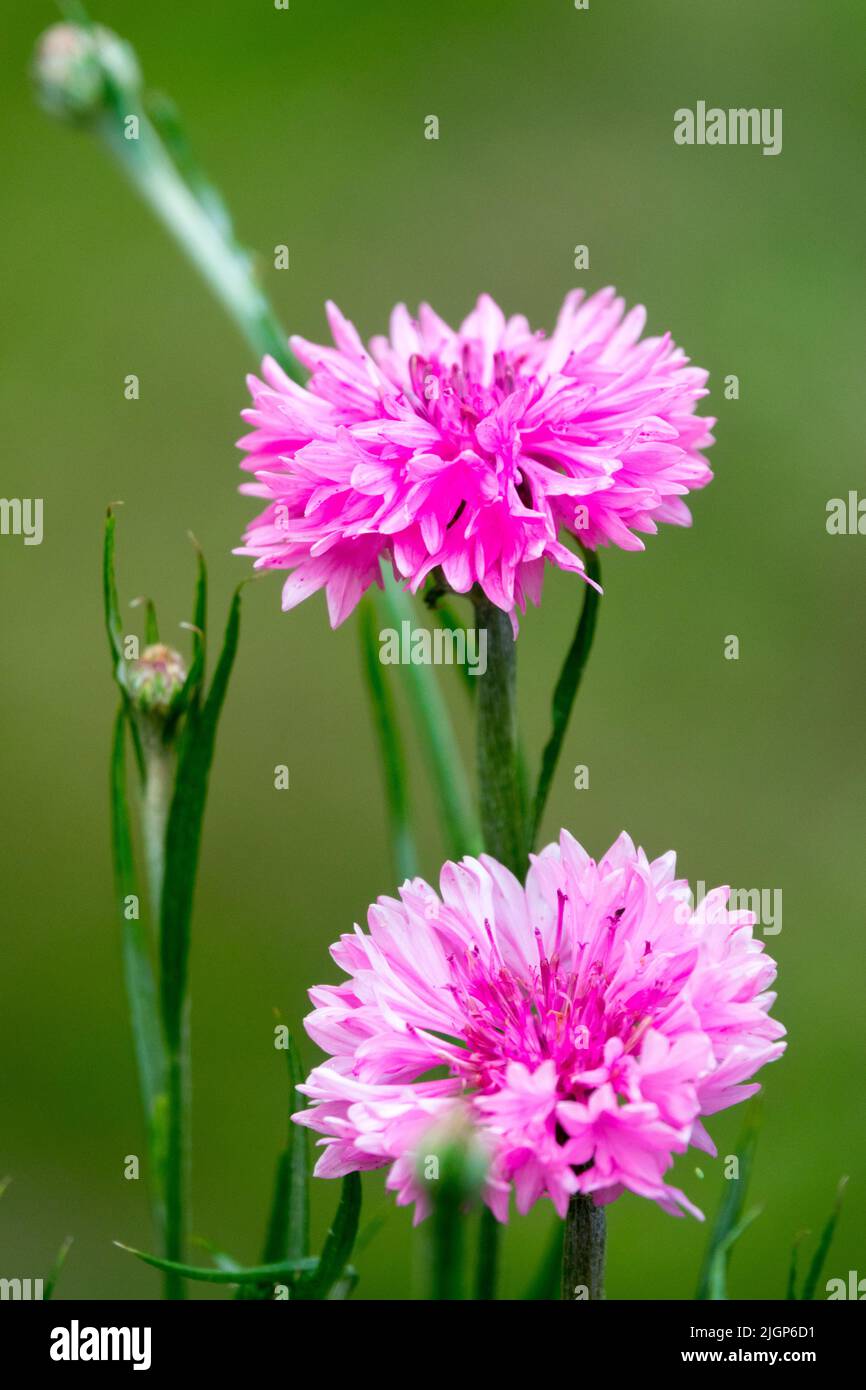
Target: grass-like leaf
<point>288,1231</point>
<point>191,692</point>
<point>823,1250</point>
<point>114,629</point>
<point>545,1286</point>
<point>151,626</point>
<point>442,754</point>
<point>59,1262</point>
<point>297,1241</point>
<point>183,834</point>
<point>339,1244</point>
<point>111,604</point>
<point>254,1274</point>
<point>390,744</point>
<point>717,1273</point>
<point>566,689</point>
<point>182,844</point>
<point>791,1290</point>
<point>451,622</point>
<point>729,1218</point>
<point>137,966</point>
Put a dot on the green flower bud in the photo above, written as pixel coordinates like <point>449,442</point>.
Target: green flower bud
<point>74,68</point>
<point>453,1160</point>
<point>156,679</point>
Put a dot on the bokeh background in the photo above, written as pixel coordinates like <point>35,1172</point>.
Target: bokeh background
<point>555,129</point>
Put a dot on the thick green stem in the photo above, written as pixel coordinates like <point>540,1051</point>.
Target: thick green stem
<point>502,820</point>
<point>583,1250</point>
<point>503,824</point>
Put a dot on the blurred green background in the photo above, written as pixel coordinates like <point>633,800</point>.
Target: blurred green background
<point>555,129</point>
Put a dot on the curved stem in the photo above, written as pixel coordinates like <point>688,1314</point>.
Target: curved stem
<point>224,265</point>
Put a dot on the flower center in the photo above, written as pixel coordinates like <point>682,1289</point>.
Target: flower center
<point>549,1012</point>
<point>454,399</point>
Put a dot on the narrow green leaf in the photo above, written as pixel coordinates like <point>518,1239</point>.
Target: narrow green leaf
<point>566,689</point>
<point>338,1246</point>
<point>59,1262</point>
<point>182,844</point>
<point>449,620</point>
<point>113,625</point>
<point>183,834</point>
<point>370,1231</point>
<point>791,1291</point>
<point>717,1276</point>
<point>151,626</point>
<point>254,1274</point>
<point>114,629</point>
<point>344,1287</point>
<point>824,1244</point>
<point>219,1257</point>
<point>298,1230</point>
<point>287,1236</point>
<point>390,743</point>
<point>137,966</point>
<point>442,754</point>
<point>730,1212</point>
<point>193,683</point>
<point>545,1286</point>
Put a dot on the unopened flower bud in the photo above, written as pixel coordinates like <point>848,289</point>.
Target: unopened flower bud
<point>453,1159</point>
<point>73,68</point>
<point>155,679</point>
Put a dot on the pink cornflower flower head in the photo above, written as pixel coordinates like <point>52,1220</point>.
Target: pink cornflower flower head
<point>587,1022</point>
<point>470,452</point>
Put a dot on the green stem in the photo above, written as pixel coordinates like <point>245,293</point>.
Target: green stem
<point>223,264</point>
<point>502,820</point>
<point>488,1256</point>
<point>583,1250</point>
<point>447,1222</point>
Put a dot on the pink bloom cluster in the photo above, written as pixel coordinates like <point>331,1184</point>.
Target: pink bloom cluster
<point>585,1022</point>
<point>470,451</point>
